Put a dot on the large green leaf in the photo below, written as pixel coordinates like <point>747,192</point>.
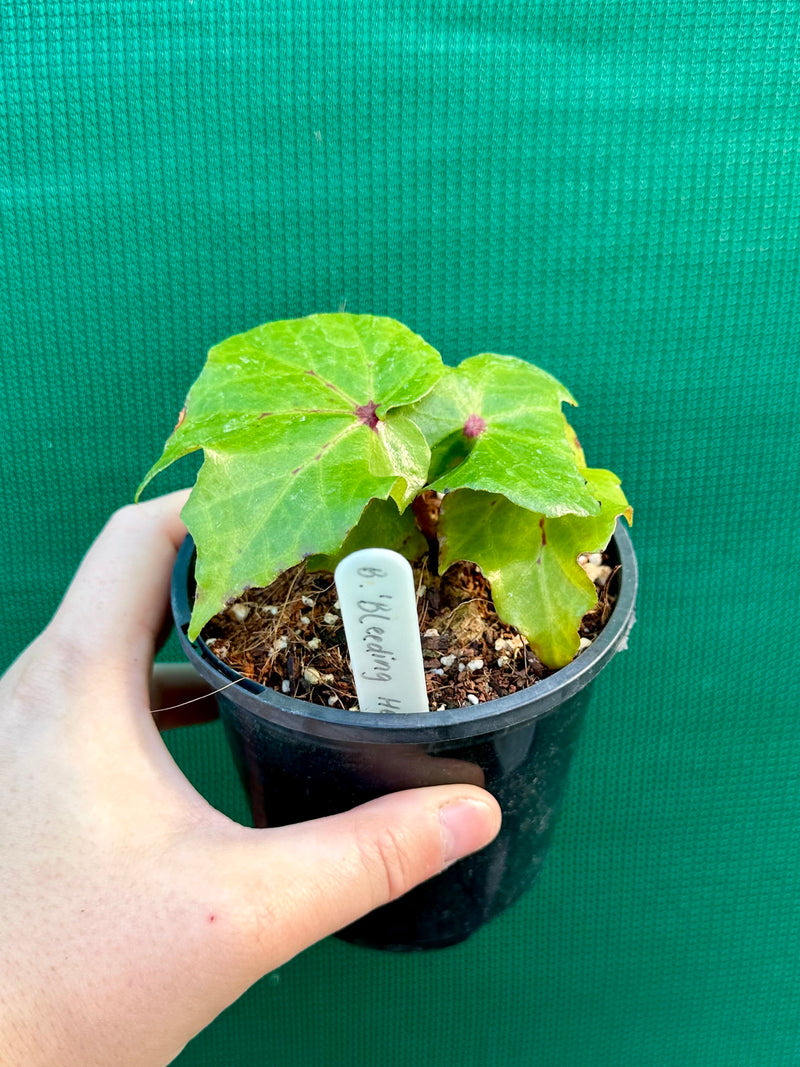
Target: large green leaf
<point>302,423</point>
<point>495,423</point>
<point>381,526</point>
<point>530,559</point>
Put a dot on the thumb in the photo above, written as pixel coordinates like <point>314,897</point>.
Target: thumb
<point>314,878</point>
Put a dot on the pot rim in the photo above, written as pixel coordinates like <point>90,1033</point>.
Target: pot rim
<point>386,727</point>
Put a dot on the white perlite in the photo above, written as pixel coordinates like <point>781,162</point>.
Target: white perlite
<point>315,677</point>
<point>509,644</point>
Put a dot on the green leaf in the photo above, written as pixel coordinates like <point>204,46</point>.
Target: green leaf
<point>495,424</point>
<point>380,526</point>
<point>302,423</point>
<point>530,559</point>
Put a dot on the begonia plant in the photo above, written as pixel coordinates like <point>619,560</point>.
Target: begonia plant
<point>323,434</point>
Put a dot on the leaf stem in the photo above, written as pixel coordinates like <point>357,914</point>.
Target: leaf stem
<point>426,515</point>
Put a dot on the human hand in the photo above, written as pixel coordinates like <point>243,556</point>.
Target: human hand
<point>134,912</point>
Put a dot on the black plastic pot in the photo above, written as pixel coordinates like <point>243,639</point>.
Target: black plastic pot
<point>300,761</point>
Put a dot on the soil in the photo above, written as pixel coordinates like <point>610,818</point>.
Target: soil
<point>289,636</point>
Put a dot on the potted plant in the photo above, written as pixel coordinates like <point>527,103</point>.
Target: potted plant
<point>326,434</point>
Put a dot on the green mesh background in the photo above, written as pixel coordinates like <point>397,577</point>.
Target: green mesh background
<point>608,189</point>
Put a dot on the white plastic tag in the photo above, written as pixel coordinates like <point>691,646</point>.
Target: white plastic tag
<point>379,611</point>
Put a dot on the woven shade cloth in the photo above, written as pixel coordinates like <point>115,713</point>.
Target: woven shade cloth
<point>609,190</point>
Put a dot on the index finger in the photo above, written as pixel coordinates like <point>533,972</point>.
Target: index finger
<point>117,601</point>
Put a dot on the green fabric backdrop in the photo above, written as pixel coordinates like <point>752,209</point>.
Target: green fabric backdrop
<point>608,189</point>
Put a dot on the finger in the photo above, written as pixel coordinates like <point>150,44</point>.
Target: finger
<point>117,600</point>
<point>304,882</point>
<point>180,697</point>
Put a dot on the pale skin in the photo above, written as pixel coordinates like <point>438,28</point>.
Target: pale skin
<point>131,911</point>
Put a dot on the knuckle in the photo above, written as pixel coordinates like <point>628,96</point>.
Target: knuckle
<point>390,861</point>
<point>27,689</point>
<point>39,669</point>
<point>63,654</point>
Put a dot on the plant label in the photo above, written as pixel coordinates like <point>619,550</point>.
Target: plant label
<point>379,611</point>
